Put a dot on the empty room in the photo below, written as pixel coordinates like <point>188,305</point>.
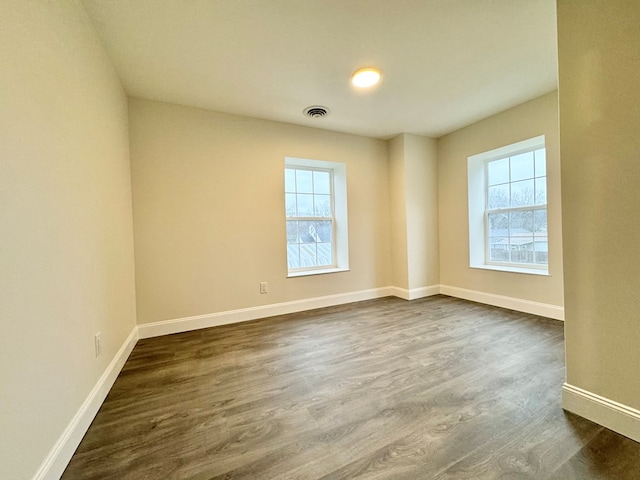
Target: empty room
<point>319,239</point>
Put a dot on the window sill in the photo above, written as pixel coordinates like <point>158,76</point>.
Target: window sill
<point>503,268</point>
<point>322,271</point>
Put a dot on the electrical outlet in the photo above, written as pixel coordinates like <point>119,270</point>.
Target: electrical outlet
<point>98,343</point>
<point>264,287</point>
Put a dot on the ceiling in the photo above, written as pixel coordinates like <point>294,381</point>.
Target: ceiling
<point>445,63</point>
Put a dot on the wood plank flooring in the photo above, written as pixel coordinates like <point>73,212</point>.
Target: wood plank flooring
<point>437,388</point>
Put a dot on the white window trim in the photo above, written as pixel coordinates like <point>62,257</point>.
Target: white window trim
<point>477,191</point>
<point>341,231</point>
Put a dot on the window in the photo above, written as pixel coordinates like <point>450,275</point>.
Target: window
<point>315,208</point>
<point>508,208</point>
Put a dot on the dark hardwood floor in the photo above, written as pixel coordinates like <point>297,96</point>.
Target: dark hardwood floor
<point>437,388</point>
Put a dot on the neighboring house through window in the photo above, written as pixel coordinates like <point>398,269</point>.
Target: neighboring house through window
<point>316,216</point>
<point>508,208</point>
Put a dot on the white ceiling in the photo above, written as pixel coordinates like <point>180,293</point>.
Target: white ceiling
<point>445,63</point>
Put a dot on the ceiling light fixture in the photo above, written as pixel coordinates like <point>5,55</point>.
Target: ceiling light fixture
<point>365,77</point>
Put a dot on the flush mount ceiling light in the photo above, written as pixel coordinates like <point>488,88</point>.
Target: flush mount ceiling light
<point>365,77</point>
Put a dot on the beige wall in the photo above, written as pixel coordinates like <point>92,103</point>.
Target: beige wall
<point>599,126</point>
<point>421,173</point>
<point>66,248</point>
<point>413,183</point>
<point>209,210</point>
<point>537,117</point>
<point>398,206</point>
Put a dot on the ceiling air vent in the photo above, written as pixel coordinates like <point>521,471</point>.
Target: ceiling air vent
<point>316,111</point>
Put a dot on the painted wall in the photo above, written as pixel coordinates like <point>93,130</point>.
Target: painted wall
<point>66,248</point>
<point>599,64</point>
<point>421,173</point>
<point>208,198</point>
<point>537,117</point>
<point>413,183</point>
<point>398,205</point>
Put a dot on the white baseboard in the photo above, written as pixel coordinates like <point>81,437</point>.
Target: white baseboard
<point>527,306</point>
<point>608,413</point>
<point>56,461</point>
<point>166,327</point>
<point>59,456</point>
<point>415,292</point>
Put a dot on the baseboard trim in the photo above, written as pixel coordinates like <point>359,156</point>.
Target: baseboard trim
<point>603,411</point>
<point>617,417</point>
<point>166,327</point>
<point>527,306</point>
<point>59,456</point>
<point>415,293</point>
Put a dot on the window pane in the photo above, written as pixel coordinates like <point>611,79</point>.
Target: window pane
<point>321,182</point>
<point>289,180</point>
<point>541,162</point>
<point>322,205</point>
<point>521,249</point>
<point>307,232</point>
<point>540,236</point>
<point>541,191</point>
<point>324,231</point>
<point>290,204</point>
<point>293,256</point>
<point>498,171</point>
<point>498,224</point>
<point>499,249</point>
<point>499,196</point>
<point>292,231</point>
<point>540,222</point>
<point>521,193</point>
<point>305,205</point>
<point>324,254</point>
<point>522,166</point>
<point>304,181</point>
<point>521,223</point>
<point>308,255</point>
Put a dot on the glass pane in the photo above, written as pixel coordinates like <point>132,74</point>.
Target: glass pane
<point>307,232</point>
<point>522,166</point>
<point>499,249</point>
<point>289,180</point>
<point>304,181</point>
<point>290,204</point>
<point>324,232</point>
<point>540,222</point>
<point>293,256</point>
<point>540,237</point>
<point>521,193</point>
<point>322,205</point>
<point>498,171</point>
<point>521,249</point>
<point>541,162</point>
<point>308,255</point>
<point>498,224</point>
<point>324,254</point>
<point>305,205</point>
<point>499,196</point>
<point>292,231</point>
<point>521,223</point>
<point>321,182</point>
<point>541,191</point>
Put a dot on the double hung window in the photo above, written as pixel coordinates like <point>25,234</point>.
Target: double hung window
<point>508,207</point>
<point>315,209</point>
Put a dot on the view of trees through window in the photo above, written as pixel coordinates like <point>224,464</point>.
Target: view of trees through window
<point>309,211</point>
<point>516,213</point>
